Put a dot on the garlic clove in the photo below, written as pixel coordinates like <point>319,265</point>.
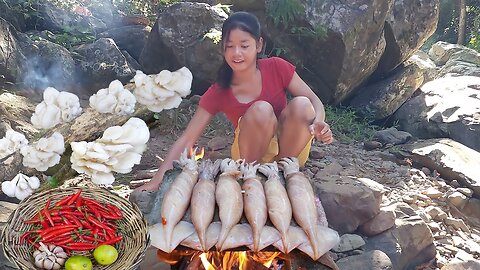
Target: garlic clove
<point>61,261</point>
<point>56,266</point>
<point>57,249</point>
<point>48,264</point>
<point>39,261</point>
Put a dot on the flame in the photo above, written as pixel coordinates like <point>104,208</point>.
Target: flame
<point>236,260</point>
<point>199,155</point>
<point>193,152</point>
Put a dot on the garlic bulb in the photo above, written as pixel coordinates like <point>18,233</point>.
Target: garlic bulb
<point>21,186</point>
<point>51,257</point>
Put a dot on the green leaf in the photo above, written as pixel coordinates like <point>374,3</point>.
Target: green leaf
<point>52,181</point>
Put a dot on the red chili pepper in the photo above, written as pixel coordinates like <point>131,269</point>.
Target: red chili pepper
<point>51,235</point>
<point>98,223</point>
<point>47,204</point>
<point>78,202</point>
<point>63,241</point>
<point>113,240</point>
<point>35,244</point>
<point>90,238</point>
<point>64,200</point>
<point>74,197</point>
<point>32,221</point>
<point>97,204</point>
<point>115,210</point>
<point>74,220</point>
<point>24,236</point>
<point>47,215</point>
<point>51,229</point>
<point>80,246</point>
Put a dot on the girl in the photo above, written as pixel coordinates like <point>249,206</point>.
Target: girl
<point>252,93</point>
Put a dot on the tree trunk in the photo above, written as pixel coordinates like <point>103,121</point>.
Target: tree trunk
<point>461,22</point>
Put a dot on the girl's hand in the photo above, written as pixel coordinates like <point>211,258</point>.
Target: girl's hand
<point>321,131</point>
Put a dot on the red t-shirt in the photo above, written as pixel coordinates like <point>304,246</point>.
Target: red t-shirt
<point>276,76</point>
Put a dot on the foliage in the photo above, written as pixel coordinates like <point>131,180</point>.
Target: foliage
<point>215,35</point>
<point>347,126</point>
<point>283,11</point>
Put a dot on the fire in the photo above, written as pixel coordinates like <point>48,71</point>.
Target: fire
<point>236,260</point>
<point>194,152</point>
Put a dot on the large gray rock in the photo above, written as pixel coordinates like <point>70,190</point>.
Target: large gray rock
<point>383,98</point>
<point>407,27</point>
<point>372,260</point>
<point>101,63</point>
<point>451,159</point>
<point>446,107</point>
<point>11,57</point>
<point>131,38</point>
<point>348,203</point>
<point>441,51</point>
<point>426,65</point>
<point>178,39</point>
<point>408,244</point>
<point>48,65</point>
<point>465,62</point>
<point>354,42</point>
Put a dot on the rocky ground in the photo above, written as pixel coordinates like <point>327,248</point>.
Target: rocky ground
<point>402,200</point>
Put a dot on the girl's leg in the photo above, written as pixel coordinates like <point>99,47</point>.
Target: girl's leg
<point>293,132</point>
<point>257,128</point>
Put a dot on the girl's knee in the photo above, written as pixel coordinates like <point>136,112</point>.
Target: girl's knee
<point>260,112</point>
<point>299,108</point>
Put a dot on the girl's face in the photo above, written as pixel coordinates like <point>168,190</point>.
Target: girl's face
<point>241,50</point>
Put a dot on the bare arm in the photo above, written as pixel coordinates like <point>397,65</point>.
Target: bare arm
<point>318,128</point>
<point>194,130</point>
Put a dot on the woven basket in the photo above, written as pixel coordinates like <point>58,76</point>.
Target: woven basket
<point>132,227</point>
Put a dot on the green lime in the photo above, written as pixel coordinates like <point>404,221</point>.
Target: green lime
<point>78,263</point>
<point>105,254</point>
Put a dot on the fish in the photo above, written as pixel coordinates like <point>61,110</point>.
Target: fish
<point>278,204</point>
<point>254,200</point>
<point>302,198</point>
<point>228,195</point>
<point>202,202</point>
<point>177,198</point>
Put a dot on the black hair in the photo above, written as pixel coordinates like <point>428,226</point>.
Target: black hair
<point>246,22</point>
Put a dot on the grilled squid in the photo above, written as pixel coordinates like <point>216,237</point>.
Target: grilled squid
<point>203,199</point>
<point>278,204</point>
<point>229,199</point>
<point>302,198</point>
<point>255,202</point>
<point>177,198</point>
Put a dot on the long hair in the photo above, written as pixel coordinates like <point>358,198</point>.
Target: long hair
<point>246,22</point>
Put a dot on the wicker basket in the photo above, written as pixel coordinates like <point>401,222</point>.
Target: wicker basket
<point>132,227</point>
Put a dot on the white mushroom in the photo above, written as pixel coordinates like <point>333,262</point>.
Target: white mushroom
<point>114,99</point>
<point>163,90</point>
<point>56,107</point>
<point>118,150</point>
<point>44,153</point>
<point>11,142</point>
<point>21,186</point>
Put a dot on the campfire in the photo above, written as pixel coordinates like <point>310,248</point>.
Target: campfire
<point>231,260</point>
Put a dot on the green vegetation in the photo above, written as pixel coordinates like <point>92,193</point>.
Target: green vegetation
<point>284,13</point>
<point>347,126</point>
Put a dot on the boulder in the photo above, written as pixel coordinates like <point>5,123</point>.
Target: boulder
<point>348,203</point>
<point>178,39</point>
<point>392,136</point>
<point>408,244</point>
<point>372,260</point>
<point>451,159</point>
<point>383,98</point>
<point>11,57</point>
<point>408,25</point>
<point>380,223</point>
<point>441,51</point>
<point>444,108</point>
<point>101,63</point>
<point>426,65</point>
<point>465,62</point>
<point>131,38</point>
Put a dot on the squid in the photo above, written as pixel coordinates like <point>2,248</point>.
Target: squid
<point>177,198</point>
<point>255,202</point>
<point>211,238</point>
<point>278,204</point>
<point>203,200</point>
<point>302,198</point>
<point>229,199</point>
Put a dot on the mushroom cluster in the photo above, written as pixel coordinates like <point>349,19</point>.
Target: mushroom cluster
<point>44,153</point>
<point>56,107</point>
<point>118,150</point>
<point>11,142</point>
<point>114,99</point>
<point>21,186</point>
<point>164,90</point>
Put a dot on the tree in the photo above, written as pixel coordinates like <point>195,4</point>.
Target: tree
<point>461,22</point>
